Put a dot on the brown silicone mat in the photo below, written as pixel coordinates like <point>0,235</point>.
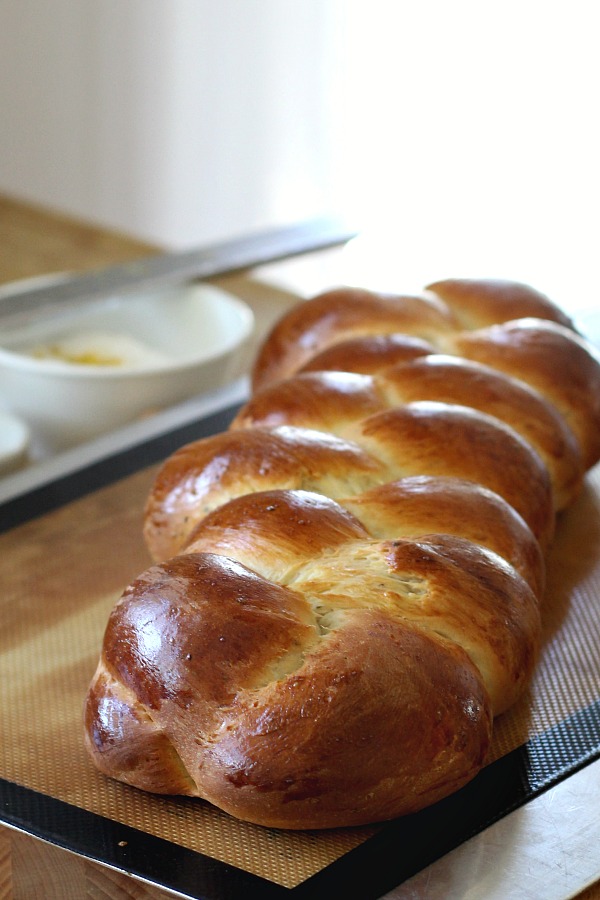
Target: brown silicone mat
<point>60,574</point>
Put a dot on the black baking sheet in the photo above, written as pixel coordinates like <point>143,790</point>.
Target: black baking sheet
<point>397,851</point>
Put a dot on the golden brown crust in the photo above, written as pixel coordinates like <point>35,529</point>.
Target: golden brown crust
<point>368,354</point>
<point>349,314</point>
<point>322,401</point>
<point>282,530</point>
<point>121,737</point>
<point>283,758</point>
<point>485,389</point>
<point>198,637</point>
<point>332,401</point>
<point>209,472</point>
<point>421,504</point>
<point>357,591</point>
<point>550,359</point>
<point>419,438</point>
<point>436,439</point>
<point>478,302</point>
<point>506,325</point>
<point>341,314</point>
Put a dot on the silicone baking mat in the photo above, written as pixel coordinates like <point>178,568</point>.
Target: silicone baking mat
<point>66,552</point>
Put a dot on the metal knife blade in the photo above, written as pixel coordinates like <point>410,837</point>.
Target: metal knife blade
<point>164,270</point>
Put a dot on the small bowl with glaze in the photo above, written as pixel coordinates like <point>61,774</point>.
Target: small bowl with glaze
<point>73,375</point>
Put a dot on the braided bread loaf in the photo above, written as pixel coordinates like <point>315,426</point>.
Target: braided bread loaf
<point>351,577</point>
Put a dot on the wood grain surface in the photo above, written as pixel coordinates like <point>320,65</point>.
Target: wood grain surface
<point>36,241</point>
<point>31,869</point>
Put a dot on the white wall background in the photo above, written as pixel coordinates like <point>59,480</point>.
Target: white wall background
<point>467,131</point>
<point>179,121</point>
<point>476,131</point>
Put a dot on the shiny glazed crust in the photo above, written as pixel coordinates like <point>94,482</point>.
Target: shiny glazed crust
<point>348,581</point>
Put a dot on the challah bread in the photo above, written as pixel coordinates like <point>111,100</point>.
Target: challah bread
<point>334,401</point>
<point>425,438</point>
<point>343,313</point>
<point>348,581</point>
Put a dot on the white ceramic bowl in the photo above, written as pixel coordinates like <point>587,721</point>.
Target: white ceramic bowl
<point>14,442</point>
<point>74,375</point>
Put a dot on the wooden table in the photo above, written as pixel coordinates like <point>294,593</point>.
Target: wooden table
<point>32,242</point>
